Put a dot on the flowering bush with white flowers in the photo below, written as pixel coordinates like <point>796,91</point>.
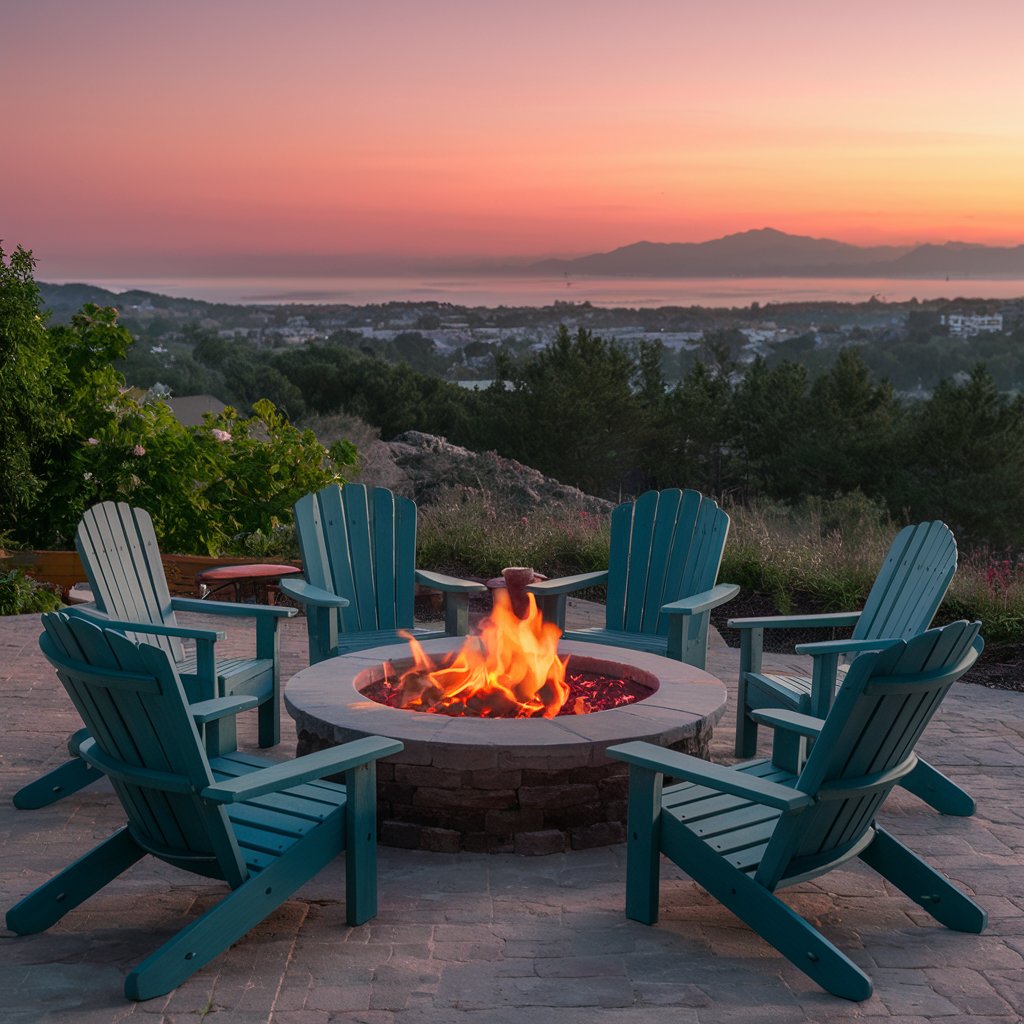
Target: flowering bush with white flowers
<point>77,436</point>
<point>205,485</point>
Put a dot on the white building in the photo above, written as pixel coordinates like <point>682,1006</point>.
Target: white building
<point>967,325</point>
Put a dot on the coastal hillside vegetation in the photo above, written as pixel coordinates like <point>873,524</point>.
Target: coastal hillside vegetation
<point>602,416</point>
<point>818,469</point>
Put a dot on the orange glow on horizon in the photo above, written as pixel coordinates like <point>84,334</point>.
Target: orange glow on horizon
<point>453,129</point>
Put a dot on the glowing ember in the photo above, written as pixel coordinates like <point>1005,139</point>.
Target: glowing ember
<point>510,670</point>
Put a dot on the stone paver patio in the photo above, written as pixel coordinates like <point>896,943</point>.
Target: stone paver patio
<point>502,939</point>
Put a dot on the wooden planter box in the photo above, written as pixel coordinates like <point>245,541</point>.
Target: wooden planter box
<point>65,569</point>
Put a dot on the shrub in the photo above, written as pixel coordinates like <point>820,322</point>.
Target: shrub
<point>822,555</point>
<point>22,595</point>
<point>75,435</point>
<point>202,485</point>
<point>990,589</point>
<point>278,544</point>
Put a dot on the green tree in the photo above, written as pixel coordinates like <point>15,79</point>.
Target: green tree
<point>57,387</point>
<point>569,411</point>
<point>700,431</point>
<point>30,421</point>
<point>964,461</point>
<point>851,431</point>
<point>771,416</point>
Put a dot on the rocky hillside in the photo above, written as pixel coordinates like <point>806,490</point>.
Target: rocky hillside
<point>428,468</point>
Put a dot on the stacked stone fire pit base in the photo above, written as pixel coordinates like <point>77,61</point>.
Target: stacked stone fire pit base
<point>531,786</point>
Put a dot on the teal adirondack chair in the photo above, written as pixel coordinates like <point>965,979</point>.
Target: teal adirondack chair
<point>905,596</point>
<point>666,548</point>
<point>745,832</point>
<point>359,563</point>
<point>263,827</point>
<point>119,550</point>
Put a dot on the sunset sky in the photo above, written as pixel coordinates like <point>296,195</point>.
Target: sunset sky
<point>208,136</point>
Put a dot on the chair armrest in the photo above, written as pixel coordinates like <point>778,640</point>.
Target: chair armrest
<point>717,777</point>
<point>205,711</point>
<point>231,608</point>
<point>276,777</point>
<point>792,731</point>
<point>567,584</point>
<point>825,667</point>
<point>306,593</point>
<point>699,603</point>
<point>797,621</point>
<point>791,721</point>
<point>448,584</point>
<point>823,647</point>
<point>156,629</point>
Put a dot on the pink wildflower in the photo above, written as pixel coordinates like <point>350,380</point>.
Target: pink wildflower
<point>220,435</point>
<point>138,450</point>
<point>92,440</point>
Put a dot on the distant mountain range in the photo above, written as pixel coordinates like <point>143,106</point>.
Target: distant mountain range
<point>769,253</point>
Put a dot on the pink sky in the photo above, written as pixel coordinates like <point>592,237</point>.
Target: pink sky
<point>204,135</point>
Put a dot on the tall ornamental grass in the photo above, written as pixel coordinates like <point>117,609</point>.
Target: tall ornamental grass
<point>821,555</point>
<point>473,534</point>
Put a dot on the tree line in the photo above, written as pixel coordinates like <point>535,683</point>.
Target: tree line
<point>594,413</point>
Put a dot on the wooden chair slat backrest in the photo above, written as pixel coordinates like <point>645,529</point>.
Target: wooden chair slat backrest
<point>133,703</point>
<point>118,547</point>
<point>911,583</point>
<point>704,554</point>
<point>866,746</point>
<point>360,543</point>
<point>664,546</point>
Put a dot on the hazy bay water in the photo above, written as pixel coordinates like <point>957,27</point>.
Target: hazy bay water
<point>540,291</point>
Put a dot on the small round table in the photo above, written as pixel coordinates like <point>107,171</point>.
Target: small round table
<point>256,583</point>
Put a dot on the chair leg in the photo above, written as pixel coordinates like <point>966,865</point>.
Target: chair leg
<point>456,614</point>
<point>221,737</point>
<point>746,727</point>
<point>268,645</point>
<point>797,940</point>
<point>923,884</point>
<point>75,884</point>
<point>688,639</point>
<point>751,649</point>
<point>69,778</point>
<point>241,910</point>
<point>643,849</point>
<point>269,721</point>
<point>361,844</point>
<point>942,793</point>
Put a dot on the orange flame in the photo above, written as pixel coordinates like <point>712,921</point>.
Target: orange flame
<point>510,670</point>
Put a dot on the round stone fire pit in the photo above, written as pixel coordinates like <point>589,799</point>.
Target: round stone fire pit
<point>528,785</point>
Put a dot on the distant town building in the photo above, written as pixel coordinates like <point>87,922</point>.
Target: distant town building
<point>189,410</point>
<point>967,325</point>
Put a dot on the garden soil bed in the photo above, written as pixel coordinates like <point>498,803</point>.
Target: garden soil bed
<point>1001,666</point>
